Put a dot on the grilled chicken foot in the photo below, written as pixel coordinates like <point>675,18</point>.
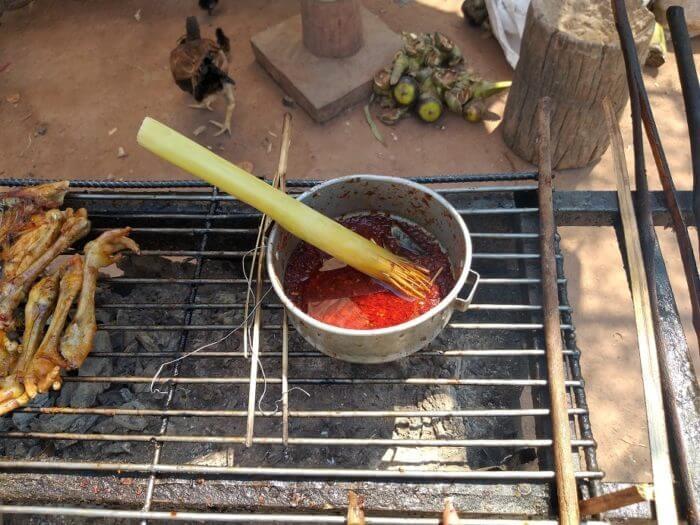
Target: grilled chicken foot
<point>14,290</point>
<point>76,342</point>
<point>40,233</point>
<point>40,302</point>
<point>43,371</point>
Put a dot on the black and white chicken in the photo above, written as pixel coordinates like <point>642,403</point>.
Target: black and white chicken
<point>200,67</point>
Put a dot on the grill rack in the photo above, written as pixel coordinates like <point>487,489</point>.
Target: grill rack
<point>214,214</point>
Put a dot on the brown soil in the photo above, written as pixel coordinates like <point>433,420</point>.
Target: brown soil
<point>88,72</point>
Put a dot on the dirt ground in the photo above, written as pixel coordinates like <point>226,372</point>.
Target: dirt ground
<point>88,72</point>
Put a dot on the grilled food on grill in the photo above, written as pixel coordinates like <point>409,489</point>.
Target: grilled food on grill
<point>17,206</point>
<point>39,238</point>
<point>14,290</point>
<point>200,67</point>
<point>43,371</point>
<point>76,342</point>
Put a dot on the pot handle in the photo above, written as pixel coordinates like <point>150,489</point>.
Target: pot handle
<point>463,304</point>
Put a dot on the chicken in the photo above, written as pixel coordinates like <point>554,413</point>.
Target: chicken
<point>43,370</point>
<point>76,342</point>
<point>208,5</point>
<point>14,290</point>
<point>17,205</point>
<point>200,67</point>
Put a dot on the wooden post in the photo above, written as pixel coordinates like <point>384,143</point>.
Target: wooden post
<point>332,28</point>
<point>561,432</point>
<point>570,54</point>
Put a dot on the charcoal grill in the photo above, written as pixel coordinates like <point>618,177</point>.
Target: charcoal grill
<point>182,455</point>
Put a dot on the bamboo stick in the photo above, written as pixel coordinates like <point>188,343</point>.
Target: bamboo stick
<point>616,500</point>
<point>658,440</point>
<point>259,258</point>
<point>561,430</point>
<point>634,75</point>
<point>297,218</point>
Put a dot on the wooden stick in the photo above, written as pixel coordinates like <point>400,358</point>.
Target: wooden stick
<point>278,181</point>
<point>683,238</point>
<point>616,500</point>
<point>561,431</point>
<point>658,440</point>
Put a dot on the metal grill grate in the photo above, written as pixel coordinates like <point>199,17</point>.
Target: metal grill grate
<point>177,455</point>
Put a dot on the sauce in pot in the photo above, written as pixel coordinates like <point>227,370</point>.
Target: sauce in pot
<point>337,294</point>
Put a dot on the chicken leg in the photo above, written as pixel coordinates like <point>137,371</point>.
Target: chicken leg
<point>34,241</point>
<point>231,104</point>
<point>204,104</point>
<point>14,290</point>
<point>40,302</point>
<point>16,206</point>
<point>76,342</point>
<point>43,371</point>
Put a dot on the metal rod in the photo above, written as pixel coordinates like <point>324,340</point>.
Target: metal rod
<point>658,440</point>
<point>192,296</point>
<point>257,517</point>
<point>293,472</point>
<point>285,381</point>
<point>561,432</point>
<point>327,442</point>
<point>276,327</point>
<point>691,95</point>
<point>315,381</point>
<point>690,267</point>
<point>148,412</point>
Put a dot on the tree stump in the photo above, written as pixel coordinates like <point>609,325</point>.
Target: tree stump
<point>570,52</point>
<point>332,28</point>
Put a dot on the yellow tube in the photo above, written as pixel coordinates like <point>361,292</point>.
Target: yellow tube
<point>297,218</point>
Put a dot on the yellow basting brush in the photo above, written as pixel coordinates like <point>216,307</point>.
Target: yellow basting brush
<point>297,218</point>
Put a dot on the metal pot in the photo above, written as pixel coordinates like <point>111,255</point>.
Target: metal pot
<point>399,197</point>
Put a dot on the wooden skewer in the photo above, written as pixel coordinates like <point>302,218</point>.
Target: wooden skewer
<point>259,258</point>
<point>616,500</point>
<point>561,431</point>
<point>658,440</point>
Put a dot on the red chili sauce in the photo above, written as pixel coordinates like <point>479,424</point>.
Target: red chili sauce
<point>339,295</point>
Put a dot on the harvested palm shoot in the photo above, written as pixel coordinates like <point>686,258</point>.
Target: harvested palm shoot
<point>427,75</point>
<point>297,218</point>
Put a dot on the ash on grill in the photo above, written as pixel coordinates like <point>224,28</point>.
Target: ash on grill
<point>136,343</point>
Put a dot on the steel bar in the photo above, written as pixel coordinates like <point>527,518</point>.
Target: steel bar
<point>691,95</point>
<point>525,352</point>
<point>171,281</point>
<point>566,484</point>
<point>182,343</point>
<point>658,440</point>
<point>315,381</point>
<point>280,472</point>
<point>146,412</point>
<point>635,77</point>
<point>257,517</point>
<point>226,327</point>
<point>285,379</point>
<point>328,442</point>
<point>437,179</point>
